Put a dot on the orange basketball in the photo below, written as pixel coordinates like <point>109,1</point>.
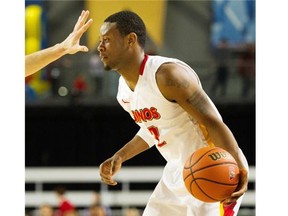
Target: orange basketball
<point>211,174</point>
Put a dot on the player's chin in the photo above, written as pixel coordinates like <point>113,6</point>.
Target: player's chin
<point>107,67</point>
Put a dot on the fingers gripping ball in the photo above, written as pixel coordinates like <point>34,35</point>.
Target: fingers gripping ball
<point>211,174</point>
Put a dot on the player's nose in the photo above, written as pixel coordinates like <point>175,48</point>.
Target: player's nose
<point>100,47</point>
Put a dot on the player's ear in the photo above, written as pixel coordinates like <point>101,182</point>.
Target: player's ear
<point>131,38</point>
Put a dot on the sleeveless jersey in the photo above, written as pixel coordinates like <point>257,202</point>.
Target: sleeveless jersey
<point>163,123</point>
<point>175,134</point>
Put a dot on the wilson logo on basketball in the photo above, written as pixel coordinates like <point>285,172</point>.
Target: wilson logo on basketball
<point>218,155</point>
<point>146,114</point>
<point>232,174</point>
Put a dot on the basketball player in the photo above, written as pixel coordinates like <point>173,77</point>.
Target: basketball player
<point>39,59</point>
<point>165,98</point>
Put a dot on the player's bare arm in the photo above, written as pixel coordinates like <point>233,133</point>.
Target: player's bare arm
<point>112,165</point>
<point>181,86</point>
<point>71,45</point>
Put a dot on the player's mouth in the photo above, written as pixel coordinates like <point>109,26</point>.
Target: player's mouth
<point>103,58</point>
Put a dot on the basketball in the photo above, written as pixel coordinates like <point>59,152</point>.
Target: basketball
<point>211,174</point>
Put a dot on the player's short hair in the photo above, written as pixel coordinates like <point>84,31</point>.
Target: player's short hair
<point>127,22</point>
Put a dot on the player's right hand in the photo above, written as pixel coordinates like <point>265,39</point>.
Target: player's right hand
<point>241,188</point>
<point>109,168</point>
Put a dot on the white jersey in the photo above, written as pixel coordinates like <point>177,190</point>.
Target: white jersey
<point>163,124</point>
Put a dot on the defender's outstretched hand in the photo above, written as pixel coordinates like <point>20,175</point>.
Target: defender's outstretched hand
<point>71,45</point>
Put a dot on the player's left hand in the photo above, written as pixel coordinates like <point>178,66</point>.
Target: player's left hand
<point>241,188</point>
<point>109,168</point>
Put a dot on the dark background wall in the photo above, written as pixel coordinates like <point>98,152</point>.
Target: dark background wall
<point>87,135</point>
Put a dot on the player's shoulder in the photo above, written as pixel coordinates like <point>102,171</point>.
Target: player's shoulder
<point>166,71</point>
<point>176,71</point>
<point>162,62</point>
<point>161,59</point>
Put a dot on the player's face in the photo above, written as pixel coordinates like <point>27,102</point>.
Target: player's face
<point>111,46</point>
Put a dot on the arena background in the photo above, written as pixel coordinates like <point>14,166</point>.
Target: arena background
<point>62,130</point>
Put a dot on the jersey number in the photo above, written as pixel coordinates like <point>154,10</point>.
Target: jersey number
<point>155,132</point>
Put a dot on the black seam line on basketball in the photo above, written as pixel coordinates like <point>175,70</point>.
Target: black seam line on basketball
<point>200,190</point>
<point>190,168</point>
<point>192,172</point>
<point>217,182</point>
<point>185,167</point>
<point>200,157</point>
<point>223,163</point>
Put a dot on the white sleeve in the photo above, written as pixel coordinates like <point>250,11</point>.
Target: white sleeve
<point>146,136</point>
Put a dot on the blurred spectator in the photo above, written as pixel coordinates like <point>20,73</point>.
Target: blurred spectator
<point>71,213</point>
<point>131,212</point>
<point>96,207</point>
<point>46,210</point>
<point>79,88</point>
<point>96,70</point>
<point>222,68</point>
<point>246,69</point>
<point>97,201</point>
<point>65,207</point>
<point>97,210</point>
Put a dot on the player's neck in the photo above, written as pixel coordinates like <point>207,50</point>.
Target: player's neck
<point>131,71</point>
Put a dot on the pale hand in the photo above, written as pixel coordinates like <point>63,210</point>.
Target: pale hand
<point>71,44</point>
